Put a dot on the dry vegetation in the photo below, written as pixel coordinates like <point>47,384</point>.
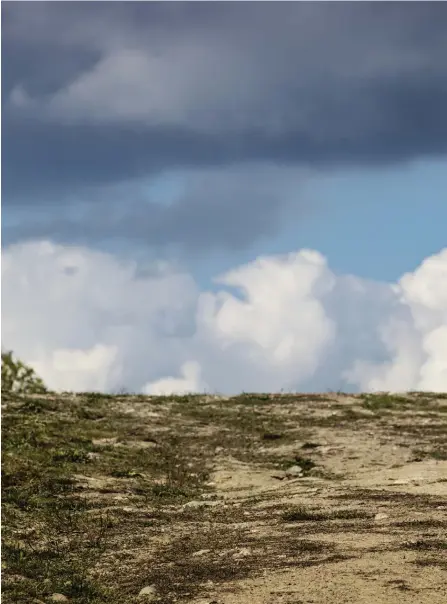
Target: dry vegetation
<point>199,499</point>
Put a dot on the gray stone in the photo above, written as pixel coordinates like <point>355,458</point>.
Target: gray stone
<point>294,472</point>
<point>149,592</point>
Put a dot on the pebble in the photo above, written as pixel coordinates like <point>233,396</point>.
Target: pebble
<point>58,598</point>
<point>92,455</point>
<point>294,471</point>
<point>380,516</point>
<point>200,552</point>
<point>149,592</point>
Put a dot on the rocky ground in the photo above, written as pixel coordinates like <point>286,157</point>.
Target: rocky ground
<point>260,499</point>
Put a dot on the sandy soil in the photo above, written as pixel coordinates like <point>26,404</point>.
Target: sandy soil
<point>366,524</point>
<point>308,499</point>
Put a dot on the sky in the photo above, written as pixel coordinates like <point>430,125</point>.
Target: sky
<point>225,196</point>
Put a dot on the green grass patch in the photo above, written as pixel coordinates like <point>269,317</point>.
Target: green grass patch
<point>53,534</point>
<point>380,402</point>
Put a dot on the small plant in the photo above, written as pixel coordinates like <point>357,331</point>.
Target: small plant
<point>19,378</point>
<point>300,513</point>
<point>377,402</point>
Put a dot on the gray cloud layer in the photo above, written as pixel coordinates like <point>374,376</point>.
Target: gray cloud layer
<point>215,209</point>
<point>101,93</point>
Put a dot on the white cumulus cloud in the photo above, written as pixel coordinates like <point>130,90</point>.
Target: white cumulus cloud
<point>73,369</point>
<point>190,382</point>
<point>417,340</point>
<point>86,320</point>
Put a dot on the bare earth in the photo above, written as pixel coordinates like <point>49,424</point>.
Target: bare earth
<point>364,521</point>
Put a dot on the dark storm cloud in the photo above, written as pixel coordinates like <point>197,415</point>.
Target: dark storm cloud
<point>100,93</point>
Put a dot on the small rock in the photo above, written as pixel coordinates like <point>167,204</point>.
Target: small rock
<point>380,516</point>
<point>58,598</point>
<point>403,481</point>
<point>92,455</point>
<point>195,505</point>
<point>150,592</point>
<point>218,450</point>
<point>294,472</point>
<point>200,552</point>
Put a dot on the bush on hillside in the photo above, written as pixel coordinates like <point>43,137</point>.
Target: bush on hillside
<point>19,378</point>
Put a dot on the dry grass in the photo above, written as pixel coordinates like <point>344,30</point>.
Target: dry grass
<point>94,489</point>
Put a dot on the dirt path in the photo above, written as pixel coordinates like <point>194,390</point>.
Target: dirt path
<point>396,551</point>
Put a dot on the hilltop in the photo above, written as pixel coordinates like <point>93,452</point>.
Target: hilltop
<point>260,499</point>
